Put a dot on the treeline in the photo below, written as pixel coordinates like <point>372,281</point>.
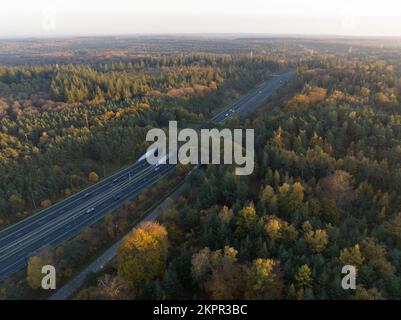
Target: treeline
<point>124,80</point>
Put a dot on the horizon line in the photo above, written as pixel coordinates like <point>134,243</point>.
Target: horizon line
<point>203,34</point>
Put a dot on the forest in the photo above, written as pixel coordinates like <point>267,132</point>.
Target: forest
<point>325,192</point>
<point>60,123</point>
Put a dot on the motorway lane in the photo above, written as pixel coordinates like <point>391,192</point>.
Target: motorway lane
<point>67,218</point>
<point>57,235</point>
<point>264,92</point>
<point>15,231</point>
<point>93,202</point>
<point>251,101</point>
<point>128,193</point>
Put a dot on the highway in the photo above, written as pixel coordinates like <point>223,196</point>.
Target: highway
<point>251,101</point>
<point>69,217</point>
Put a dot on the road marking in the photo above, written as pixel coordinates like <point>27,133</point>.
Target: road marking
<point>55,223</point>
<point>47,212</point>
<point>98,216</point>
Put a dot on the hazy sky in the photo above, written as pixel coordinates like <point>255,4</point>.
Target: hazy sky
<point>96,17</point>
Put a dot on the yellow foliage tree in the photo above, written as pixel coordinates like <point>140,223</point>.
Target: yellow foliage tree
<point>34,272</point>
<point>279,229</point>
<point>93,177</point>
<point>290,197</point>
<point>273,227</point>
<point>317,239</point>
<point>375,254</point>
<point>351,256</point>
<point>268,197</point>
<point>46,203</point>
<point>367,294</point>
<point>303,277</point>
<point>225,215</point>
<point>142,255</point>
<point>35,263</point>
<point>263,280</point>
<point>247,220</point>
<point>16,201</point>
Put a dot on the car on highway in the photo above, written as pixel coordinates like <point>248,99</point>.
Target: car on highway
<point>89,210</point>
<point>226,114</point>
<point>87,195</point>
<point>116,197</point>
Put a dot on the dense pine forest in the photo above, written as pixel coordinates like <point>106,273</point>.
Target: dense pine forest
<point>326,193</point>
<point>326,190</point>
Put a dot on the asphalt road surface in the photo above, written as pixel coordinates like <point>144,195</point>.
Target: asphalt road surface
<point>69,217</point>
